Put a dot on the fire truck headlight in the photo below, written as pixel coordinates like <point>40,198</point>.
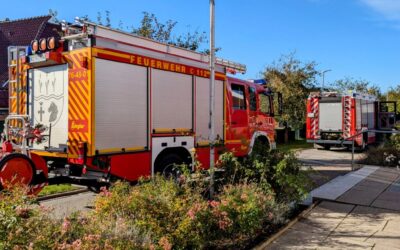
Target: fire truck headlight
<point>52,43</point>
<point>35,46</point>
<point>43,44</point>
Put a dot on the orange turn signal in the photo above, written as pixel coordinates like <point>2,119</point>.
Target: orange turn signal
<point>43,44</point>
<point>51,43</point>
<point>35,46</point>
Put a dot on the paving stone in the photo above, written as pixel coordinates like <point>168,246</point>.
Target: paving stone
<point>318,225</point>
<point>389,196</point>
<point>395,187</point>
<point>332,209</point>
<point>373,222</point>
<point>372,184</point>
<point>344,242</point>
<point>359,197</point>
<point>294,239</point>
<point>388,204</point>
<point>392,226</point>
<point>384,247</point>
<point>388,239</point>
<point>358,229</point>
<point>335,188</point>
<point>371,213</point>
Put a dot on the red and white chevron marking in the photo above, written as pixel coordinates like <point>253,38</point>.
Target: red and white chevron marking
<point>347,116</point>
<point>314,121</point>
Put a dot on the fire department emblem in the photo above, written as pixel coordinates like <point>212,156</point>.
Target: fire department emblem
<point>48,97</point>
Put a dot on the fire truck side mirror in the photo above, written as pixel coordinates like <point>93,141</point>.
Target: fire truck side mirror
<point>280,104</point>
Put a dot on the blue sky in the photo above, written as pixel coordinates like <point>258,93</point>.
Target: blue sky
<point>353,38</point>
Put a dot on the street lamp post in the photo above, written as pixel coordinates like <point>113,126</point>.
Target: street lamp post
<point>323,78</point>
<point>212,94</point>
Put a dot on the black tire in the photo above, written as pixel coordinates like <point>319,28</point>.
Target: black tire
<point>260,148</point>
<point>18,155</point>
<point>327,147</point>
<point>168,166</point>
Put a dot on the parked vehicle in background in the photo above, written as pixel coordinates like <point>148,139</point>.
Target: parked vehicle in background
<point>101,104</point>
<point>334,118</point>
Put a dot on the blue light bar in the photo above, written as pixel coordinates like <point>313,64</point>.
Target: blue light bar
<point>260,81</point>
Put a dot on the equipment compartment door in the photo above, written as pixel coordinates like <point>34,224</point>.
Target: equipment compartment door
<point>48,104</point>
<point>330,116</point>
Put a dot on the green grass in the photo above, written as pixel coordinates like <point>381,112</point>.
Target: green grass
<point>56,189</point>
<point>294,145</point>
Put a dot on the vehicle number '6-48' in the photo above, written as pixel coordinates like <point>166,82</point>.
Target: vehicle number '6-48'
<point>77,74</point>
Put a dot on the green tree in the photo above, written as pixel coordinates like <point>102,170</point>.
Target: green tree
<point>364,86</point>
<point>152,28</point>
<point>294,79</point>
<point>393,94</point>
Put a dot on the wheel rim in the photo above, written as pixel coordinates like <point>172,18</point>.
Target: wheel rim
<point>171,171</point>
<point>16,171</point>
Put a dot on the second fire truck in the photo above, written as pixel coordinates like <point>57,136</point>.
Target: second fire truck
<point>336,119</point>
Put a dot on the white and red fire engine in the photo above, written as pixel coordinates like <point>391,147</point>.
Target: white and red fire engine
<point>335,119</point>
<point>101,104</point>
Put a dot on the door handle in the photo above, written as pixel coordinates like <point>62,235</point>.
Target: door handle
<point>233,123</point>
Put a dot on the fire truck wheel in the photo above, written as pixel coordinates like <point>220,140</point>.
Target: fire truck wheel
<point>41,179</point>
<point>16,168</point>
<point>169,166</point>
<point>327,147</point>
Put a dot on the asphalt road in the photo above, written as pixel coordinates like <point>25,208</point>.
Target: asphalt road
<point>65,206</point>
<point>327,164</point>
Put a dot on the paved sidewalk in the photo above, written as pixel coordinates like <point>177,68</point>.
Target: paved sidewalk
<point>360,210</point>
<point>333,225</point>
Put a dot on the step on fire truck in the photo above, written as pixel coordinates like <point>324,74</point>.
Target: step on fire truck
<point>335,119</point>
<point>101,104</point>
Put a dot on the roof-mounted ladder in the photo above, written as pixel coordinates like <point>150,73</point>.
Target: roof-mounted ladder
<point>15,76</point>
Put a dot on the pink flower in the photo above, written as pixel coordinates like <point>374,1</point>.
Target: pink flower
<point>105,192</point>
<point>224,223</point>
<point>214,203</point>
<point>66,225</point>
<point>77,244</point>
<point>92,237</point>
<point>164,243</point>
<point>191,214</point>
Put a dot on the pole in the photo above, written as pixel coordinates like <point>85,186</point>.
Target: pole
<point>323,78</point>
<point>212,94</point>
<point>352,155</point>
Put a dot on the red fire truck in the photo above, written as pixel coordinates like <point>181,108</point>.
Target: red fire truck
<point>335,119</point>
<point>101,104</point>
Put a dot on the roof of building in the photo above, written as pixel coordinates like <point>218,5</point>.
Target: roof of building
<point>21,32</point>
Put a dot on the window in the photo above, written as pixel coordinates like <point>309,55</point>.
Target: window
<point>238,97</point>
<point>265,103</point>
<point>252,99</point>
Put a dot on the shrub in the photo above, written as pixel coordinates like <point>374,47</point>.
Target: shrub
<point>162,213</point>
<point>277,170</point>
<point>387,154</point>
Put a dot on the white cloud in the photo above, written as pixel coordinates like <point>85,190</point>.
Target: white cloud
<point>390,9</point>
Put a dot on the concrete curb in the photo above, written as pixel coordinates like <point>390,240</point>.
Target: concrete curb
<point>64,194</point>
